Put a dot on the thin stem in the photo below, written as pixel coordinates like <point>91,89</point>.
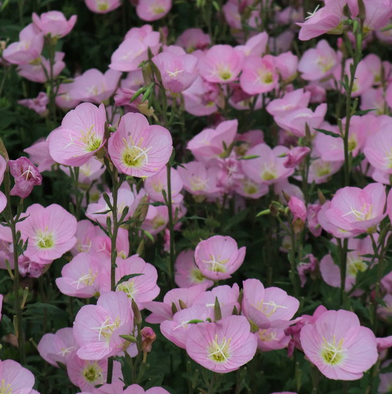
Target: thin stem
<point>171,224</point>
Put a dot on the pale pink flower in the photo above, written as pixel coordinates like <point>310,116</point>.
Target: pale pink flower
<point>328,19</point>
<point>138,149</point>
<point>34,71</point>
<point>27,49</point>
<point>320,171</point>
<point>255,45</point>
<point>378,150</point>
<point>259,75</point>
<point>38,104</point>
<point>162,311</point>
<point>54,23</point>
<point>56,348</point>
<point>354,211</point>
<point>50,232</point>
<point>271,339</point>
<point>373,99</point>
<point>331,343</point>
<point>287,65</point>
<point>319,62</point>
<point>223,346</point>
<point>65,98</point>
<point>296,156</point>
<point>221,64</point>
<point>85,233</point>
<point>178,72</point>
<point>3,199</point>
<point>203,98</point>
<point>134,49</point>
<point>268,166</point>
<point>295,121</point>
<point>97,328</point>
<point>14,378</point>
<point>193,39</point>
<point>378,14</point>
<point>218,257</point>
<point>177,329</point>
<point>290,101</point>
<point>95,87</point>
<point>267,308</point>
<point>26,176</point>
<point>88,172</point>
<point>152,10</point>
<point>363,77</point>
<point>156,220</point>
<point>187,273</point>
<point>102,6</point>
<point>88,374</point>
<point>157,184</point>
<point>80,135</point>
<point>210,143</point>
<point>79,278</point>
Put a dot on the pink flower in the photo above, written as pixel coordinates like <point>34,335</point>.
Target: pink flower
<point>178,72</point>
<point>267,308</point>
<point>256,45</point>
<point>56,348</point>
<point>3,199</point>
<point>259,75</point>
<point>79,278</point>
<point>152,10</point>
<point>27,49</point>
<point>378,150</point>
<point>54,23</point>
<point>97,328</point>
<point>354,211</point>
<point>187,273</point>
<point>14,378</point>
<point>39,69</point>
<point>138,149</point>
<point>297,208</point>
<point>102,6</point>
<point>26,176</point>
<point>290,101</point>
<point>295,156</point>
<point>80,135</point>
<point>221,64</point>
<point>38,104</point>
<point>319,62</point>
<point>287,64</point>
<point>50,232</point>
<point>65,98</point>
<point>87,374</point>
<point>133,50</point>
<point>218,257</point>
<point>223,346</point>
<point>157,184</point>
<point>193,39</point>
<point>95,87</point>
<point>268,166</point>
<point>295,121</point>
<point>331,343</point>
<point>325,20</point>
<point>304,268</point>
<point>210,143</point>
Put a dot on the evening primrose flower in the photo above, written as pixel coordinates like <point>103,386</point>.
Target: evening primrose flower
<point>80,135</point>
<point>223,346</point>
<point>339,346</point>
<point>50,232</point>
<point>138,149</point>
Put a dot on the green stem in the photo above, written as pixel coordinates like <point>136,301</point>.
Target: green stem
<point>171,225</point>
<point>343,268</point>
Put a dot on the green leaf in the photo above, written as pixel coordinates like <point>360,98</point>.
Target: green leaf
<point>330,133</point>
<point>126,278</point>
<point>129,338</point>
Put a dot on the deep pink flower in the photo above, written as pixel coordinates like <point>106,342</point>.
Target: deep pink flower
<point>26,176</point>
<point>223,346</point>
<point>37,104</point>
<point>80,135</point>
<point>50,232</point>
<point>97,328</point>
<point>255,45</point>
<point>138,149</point>
<point>193,39</point>
<point>331,343</point>
<point>295,156</point>
<point>54,23</point>
<point>218,257</point>
<point>297,208</point>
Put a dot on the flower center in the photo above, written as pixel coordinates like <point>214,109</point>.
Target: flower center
<point>268,308</point>
<point>332,353</point>
<point>87,279</point>
<point>128,288</point>
<point>135,156</point>
<point>216,264</point>
<point>102,5</point>
<point>93,374</point>
<point>107,328</point>
<point>197,276</point>
<point>44,239</point>
<point>5,389</point>
<point>219,350</point>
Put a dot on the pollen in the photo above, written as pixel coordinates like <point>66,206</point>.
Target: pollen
<point>5,389</point>
<point>216,263</point>
<point>44,239</point>
<point>219,350</point>
<point>93,374</point>
<point>332,352</point>
<point>128,288</point>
